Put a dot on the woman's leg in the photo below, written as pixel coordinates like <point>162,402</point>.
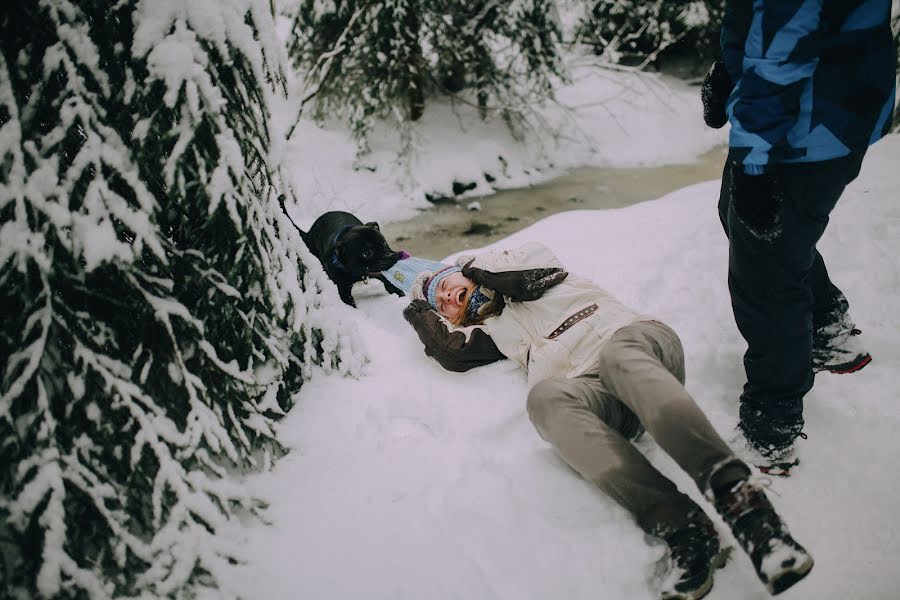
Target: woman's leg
<point>591,429</point>
<point>643,366</point>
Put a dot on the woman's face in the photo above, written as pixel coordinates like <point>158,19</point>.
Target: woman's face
<point>451,294</point>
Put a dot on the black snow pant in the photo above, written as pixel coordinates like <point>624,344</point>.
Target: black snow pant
<point>781,292</point>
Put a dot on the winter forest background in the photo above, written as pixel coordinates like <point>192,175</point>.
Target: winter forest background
<point>159,313</point>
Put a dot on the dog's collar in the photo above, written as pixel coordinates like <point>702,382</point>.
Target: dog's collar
<point>335,259</point>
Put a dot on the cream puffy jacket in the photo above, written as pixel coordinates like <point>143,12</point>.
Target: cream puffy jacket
<point>562,332</point>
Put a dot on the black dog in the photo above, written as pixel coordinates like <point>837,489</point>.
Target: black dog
<point>349,250</point>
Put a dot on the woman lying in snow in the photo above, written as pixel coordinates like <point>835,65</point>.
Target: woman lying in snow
<point>600,374</point>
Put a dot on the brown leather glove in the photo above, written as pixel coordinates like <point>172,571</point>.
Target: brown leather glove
<point>413,312</point>
<point>458,350</point>
<point>518,286</point>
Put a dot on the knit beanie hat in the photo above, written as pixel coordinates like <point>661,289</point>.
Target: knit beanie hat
<point>420,277</point>
<point>431,285</point>
<point>406,271</point>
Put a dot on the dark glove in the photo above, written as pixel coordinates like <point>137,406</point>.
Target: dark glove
<point>415,309</point>
<point>757,201</point>
<point>716,89</point>
<point>454,350</point>
<point>518,286</point>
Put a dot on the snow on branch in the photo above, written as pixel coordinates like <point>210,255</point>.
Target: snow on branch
<point>636,34</point>
<point>368,59</point>
<point>157,316</point>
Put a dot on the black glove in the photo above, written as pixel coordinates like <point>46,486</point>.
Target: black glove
<point>716,89</point>
<point>757,201</point>
<point>518,286</point>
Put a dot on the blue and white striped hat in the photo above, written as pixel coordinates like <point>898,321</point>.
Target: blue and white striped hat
<point>429,273</point>
<point>405,272</point>
<point>434,280</point>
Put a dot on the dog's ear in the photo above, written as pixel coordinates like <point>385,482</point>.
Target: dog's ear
<point>373,225</point>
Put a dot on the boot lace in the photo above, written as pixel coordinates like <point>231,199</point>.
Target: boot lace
<point>745,497</point>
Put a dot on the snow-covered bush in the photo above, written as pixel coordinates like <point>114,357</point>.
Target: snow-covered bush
<point>368,58</point>
<point>156,316</point>
<point>635,32</point>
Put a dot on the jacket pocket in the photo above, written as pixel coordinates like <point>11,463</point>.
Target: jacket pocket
<point>548,358</point>
<point>572,319</point>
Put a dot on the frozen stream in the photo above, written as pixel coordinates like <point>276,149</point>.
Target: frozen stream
<point>448,228</point>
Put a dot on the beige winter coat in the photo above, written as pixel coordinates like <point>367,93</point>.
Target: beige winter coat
<point>562,332</point>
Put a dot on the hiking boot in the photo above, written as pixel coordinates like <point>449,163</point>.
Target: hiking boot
<point>778,559</point>
<point>693,557</point>
<point>771,459</point>
<point>837,348</point>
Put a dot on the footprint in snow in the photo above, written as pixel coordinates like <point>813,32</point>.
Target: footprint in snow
<point>407,427</point>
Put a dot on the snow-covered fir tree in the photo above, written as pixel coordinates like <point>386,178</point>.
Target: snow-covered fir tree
<point>156,315</point>
<point>506,53</point>
<point>363,58</point>
<point>635,32</point>
<point>366,58</point>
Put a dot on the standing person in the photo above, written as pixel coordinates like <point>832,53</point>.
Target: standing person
<point>600,374</point>
<point>813,88</point>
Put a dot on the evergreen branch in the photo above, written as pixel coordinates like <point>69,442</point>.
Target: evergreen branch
<point>322,69</point>
<point>33,354</point>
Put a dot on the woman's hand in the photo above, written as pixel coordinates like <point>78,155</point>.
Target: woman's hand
<point>456,350</point>
<point>416,308</point>
<point>518,286</point>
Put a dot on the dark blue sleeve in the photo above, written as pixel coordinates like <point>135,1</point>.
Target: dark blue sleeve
<point>776,68</point>
<point>735,25</point>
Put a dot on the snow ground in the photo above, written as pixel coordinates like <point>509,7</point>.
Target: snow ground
<point>603,118</point>
<point>411,482</point>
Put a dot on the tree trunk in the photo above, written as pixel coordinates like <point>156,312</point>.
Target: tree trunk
<point>416,80</point>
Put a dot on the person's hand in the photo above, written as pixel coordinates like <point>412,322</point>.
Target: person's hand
<point>416,308</point>
<point>757,201</point>
<point>518,286</point>
<point>716,89</point>
<point>454,350</point>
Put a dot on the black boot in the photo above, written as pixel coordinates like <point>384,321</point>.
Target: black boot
<point>838,348</point>
<point>766,437</point>
<point>693,557</point>
<point>779,560</point>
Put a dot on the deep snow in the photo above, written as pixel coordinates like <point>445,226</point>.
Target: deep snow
<point>411,482</point>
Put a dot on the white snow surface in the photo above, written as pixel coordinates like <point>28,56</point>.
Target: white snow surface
<point>412,482</point>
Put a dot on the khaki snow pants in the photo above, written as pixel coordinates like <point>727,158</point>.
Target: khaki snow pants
<point>637,383</point>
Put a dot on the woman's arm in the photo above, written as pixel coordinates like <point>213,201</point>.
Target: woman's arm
<point>521,275</point>
<point>457,350</point>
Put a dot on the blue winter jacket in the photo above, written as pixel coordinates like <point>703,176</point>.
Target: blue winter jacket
<point>814,79</point>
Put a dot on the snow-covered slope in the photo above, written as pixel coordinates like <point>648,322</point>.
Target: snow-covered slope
<point>412,482</point>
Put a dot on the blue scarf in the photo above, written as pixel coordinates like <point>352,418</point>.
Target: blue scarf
<point>476,301</point>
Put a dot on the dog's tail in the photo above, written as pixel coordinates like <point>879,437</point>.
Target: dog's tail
<point>303,234</point>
